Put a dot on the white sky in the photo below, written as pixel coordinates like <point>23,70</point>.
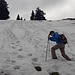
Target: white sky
<point>54,9</point>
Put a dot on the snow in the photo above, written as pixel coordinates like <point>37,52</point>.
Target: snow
<point>23,46</point>
<point>20,33</point>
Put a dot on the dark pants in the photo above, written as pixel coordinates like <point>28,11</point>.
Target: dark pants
<point>61,47</point>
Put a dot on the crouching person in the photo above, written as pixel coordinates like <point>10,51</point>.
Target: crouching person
<point>60,44</point>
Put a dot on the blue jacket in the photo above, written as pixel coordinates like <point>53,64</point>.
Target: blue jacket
<point>56,38</point>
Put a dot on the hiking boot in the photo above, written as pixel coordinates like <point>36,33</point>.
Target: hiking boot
<point>54,58</point>
<point>69,59</point>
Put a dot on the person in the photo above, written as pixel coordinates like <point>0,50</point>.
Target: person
<point>55,37</point>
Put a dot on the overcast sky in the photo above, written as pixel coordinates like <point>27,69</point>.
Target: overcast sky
<point>54,9</point>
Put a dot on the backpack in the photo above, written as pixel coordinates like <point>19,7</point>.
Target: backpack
<point>64,39</point>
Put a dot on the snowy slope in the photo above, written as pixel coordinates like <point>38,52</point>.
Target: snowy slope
<point>23,46</point>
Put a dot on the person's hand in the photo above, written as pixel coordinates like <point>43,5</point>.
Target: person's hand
<point>48,36</point>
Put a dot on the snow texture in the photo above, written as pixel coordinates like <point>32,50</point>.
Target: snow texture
<point>23,46</point>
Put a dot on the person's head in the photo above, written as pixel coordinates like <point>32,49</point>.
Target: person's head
<point>52,33</point>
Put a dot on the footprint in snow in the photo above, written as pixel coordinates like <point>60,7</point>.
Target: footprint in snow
<point>35,59</point>
<point>20,56</point>
<point>30,54</point>
<point>14,53</point>
<point>18,42</point>
<point>54,73</point>
<point>16,67</point>
<point>13,47</point>
<point>19,49</point>
<point>13,61</point>
<point>12,43</point>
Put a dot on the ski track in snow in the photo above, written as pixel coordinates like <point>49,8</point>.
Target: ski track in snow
<point>23,46</point>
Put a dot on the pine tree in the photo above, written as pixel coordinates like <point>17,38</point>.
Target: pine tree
<point>4,13</point>
<point>39,15</point>
<point>21,18</point>
<point>18,17</point>
<point>32,16</point>
<point>24,19</point>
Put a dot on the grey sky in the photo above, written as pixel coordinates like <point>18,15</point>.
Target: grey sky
<point>54,9</point>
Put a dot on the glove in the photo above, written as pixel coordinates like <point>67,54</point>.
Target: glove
<point>48,36</point>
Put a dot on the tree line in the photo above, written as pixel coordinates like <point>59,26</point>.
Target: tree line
<point>4,13</point>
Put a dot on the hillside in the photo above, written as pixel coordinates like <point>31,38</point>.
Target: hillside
<point>23,46</point>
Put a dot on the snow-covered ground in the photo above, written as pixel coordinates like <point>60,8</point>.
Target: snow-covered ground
<point>23,46</point>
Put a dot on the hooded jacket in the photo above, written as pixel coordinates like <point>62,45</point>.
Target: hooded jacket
<point>56,38</point>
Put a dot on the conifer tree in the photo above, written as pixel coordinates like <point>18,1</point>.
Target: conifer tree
<point>4,13</point>
<point>18,17</point>
<point>21,18</point>
<point>24,19</point>
<point>32,16</point>
<point>39,15</point>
